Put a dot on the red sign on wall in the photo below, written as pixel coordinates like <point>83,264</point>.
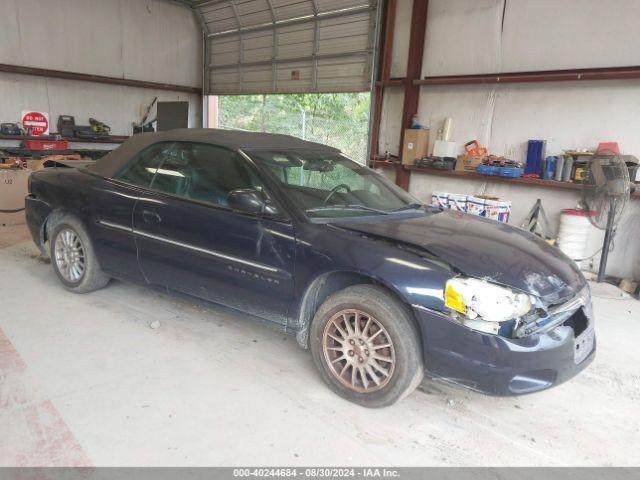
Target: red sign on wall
<point>37,121</point>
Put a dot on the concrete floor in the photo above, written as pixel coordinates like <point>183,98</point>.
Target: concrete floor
<point>85,380</point>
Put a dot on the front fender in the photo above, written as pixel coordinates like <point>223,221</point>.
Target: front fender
<point>324,251</point>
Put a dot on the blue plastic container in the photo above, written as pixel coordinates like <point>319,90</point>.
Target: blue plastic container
<point>535,154</point>
<point>550,168</point>
<point>488,170</point>
<point>510,172</point>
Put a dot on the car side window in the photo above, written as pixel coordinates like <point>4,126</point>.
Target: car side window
<point>205,173</point>
<point>141,170</point>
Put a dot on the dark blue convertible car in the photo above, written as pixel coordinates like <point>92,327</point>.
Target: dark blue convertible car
<point>380,287</point>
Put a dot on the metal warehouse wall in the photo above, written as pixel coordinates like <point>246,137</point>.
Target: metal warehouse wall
<point>472,37</point>
<point>150,40</point>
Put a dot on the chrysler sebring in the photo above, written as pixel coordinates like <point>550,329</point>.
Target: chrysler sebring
<point>380,288</point>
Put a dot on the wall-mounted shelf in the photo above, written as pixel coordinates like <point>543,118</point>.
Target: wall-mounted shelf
<point>526,181</point>
<point>523,181</point>
<point>382,164</point>
<point>111,139</point>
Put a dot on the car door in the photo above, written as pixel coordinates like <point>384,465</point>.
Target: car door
<point>191,241</point>
<point>112,202</point>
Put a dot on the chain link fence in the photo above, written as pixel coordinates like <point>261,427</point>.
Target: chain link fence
<point>350,136</point>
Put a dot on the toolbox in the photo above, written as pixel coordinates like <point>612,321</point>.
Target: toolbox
<point>511,172</point>
<point>488,170</point>
<point>45,144</point>
<point>437,163</point>
<point>10,129</point>
<point>493,170</point>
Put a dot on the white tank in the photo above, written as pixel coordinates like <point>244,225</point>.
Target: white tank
<point>573,233</point>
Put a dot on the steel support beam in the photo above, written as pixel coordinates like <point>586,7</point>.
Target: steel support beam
<point>374,40</point>
<point>608,73</point>
<point>316,45</point>
<point>274,48</point>
<point>85,77</point>
<point>383,64</point>
<point>414,71</point>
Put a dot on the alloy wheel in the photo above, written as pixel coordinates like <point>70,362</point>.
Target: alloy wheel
<point>358,350</point>
<point>69,255</point>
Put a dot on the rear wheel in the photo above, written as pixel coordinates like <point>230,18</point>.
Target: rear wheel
<point>366,346</point>
<point>73,257</point>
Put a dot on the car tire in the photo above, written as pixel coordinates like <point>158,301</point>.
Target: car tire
<point>348,361</point>
<point>73,257</point>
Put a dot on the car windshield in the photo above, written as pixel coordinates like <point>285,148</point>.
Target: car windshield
<point>329,185</point>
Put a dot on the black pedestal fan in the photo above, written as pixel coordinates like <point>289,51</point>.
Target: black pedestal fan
<point>605,193</point>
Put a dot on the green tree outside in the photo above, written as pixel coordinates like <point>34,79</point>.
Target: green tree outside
<point>337,119</point>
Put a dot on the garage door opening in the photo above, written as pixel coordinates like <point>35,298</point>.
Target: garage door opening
<point>340,120</point>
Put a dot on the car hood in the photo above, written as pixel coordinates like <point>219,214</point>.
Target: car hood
<point>483,248</point>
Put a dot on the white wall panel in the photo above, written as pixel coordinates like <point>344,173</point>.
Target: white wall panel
<point>400,47</point>
<point>59,35</point>
<point>162,42</point>
<point>470,36</point>
<point>152,40</point>
<point>471,110</point>
<point>567,115</point>
<point>552,34</point>
<point>463,36</point>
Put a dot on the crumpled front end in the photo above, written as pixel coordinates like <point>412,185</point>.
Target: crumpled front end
<point>547,349</point>
<point>500,310</point>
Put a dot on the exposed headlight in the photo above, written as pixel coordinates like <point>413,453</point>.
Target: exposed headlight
<point>483,305</point>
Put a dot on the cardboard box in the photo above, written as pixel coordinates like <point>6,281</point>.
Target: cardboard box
<point>467,164</point>
<point>415,145</point>
<point>13,189</point>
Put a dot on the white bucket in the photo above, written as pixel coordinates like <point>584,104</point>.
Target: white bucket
<point>573,232</point>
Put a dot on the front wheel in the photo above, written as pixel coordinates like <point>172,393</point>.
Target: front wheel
<point>73,257</point>
<point>366,346</point>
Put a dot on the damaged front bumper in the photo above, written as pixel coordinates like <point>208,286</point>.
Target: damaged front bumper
<point>497,365</point>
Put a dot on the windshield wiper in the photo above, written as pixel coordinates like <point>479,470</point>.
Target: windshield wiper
<point>356,207</point>
<point>411,206</point>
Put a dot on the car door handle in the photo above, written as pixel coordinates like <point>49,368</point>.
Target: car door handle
<point>151,218</point>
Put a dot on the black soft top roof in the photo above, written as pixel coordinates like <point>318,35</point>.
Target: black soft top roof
<point>111,163</point>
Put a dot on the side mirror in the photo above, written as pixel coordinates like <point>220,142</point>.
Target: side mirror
<point>249,201</point>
